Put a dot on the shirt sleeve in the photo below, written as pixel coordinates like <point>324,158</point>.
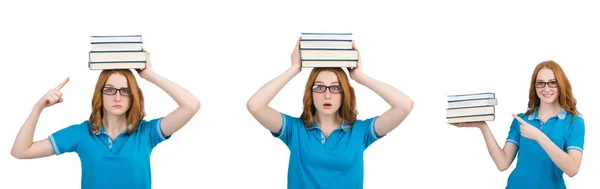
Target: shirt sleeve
<point>288,124</point>
<point>65,140</point>
<point>576,135</point>
<point>514,135</point>
<point>154,130</point>
<point>366,129</point>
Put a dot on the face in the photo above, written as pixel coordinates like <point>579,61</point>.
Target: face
<point>546,86</point>
<point>327,93</point>
<point>116,96</point>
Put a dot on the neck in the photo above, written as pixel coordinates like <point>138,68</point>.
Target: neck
<point>114,124</point>
<point>549,109</point>
<point>328,121</point>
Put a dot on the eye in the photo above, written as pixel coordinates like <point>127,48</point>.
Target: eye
<point>126,91</point>
<point>109,90</point>
<point>319,87</point>
<point>336,88</point>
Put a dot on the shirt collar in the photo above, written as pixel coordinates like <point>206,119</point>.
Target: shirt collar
<point>344,126</point>
<point>561,115</point>
<point>101,131</point>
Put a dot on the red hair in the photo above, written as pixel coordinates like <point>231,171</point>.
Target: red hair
<point>136,111</point>
<point>347,110</point>
<point>566,99</point>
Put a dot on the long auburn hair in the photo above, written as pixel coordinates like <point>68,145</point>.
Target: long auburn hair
<point>566,99</point>
<point>136,110</point>
<point>347,110</point>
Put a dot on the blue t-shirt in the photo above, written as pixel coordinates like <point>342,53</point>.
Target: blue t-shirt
<point>106,163</point>
<point>534,167</point>
<point>320,162</point>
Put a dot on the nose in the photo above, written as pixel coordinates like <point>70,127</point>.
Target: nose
<point>327,94</point>
<point>118,97</point>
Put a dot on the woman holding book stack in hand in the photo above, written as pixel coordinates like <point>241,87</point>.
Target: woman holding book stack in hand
<point>115,143</point>
<point>548,137</point>
<point>327,141</point>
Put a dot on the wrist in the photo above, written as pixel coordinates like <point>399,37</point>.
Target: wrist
<point>295,69</point>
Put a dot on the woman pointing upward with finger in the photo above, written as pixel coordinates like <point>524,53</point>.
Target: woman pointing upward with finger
<point>548,137</point>
<point>115,143</point>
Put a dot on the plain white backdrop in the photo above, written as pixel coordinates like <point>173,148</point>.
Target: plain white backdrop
<point>224,51</point>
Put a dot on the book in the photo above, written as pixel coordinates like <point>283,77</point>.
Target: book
<point>472,102</point>
<point>116,52</point>
<point>329,54</point>
<point>469,111</point>
<point>326,63</point>
<point>473,107</point>
<point>115,38</point>
<point>472,96</point>
<point>310,44</point>
<point>116,65</point>
<point>325,36</point>
<point>475,118</point>
<point>116,46</point>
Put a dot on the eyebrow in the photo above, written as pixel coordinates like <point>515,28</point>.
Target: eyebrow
<point>543,80</point>
<point>320,82</point>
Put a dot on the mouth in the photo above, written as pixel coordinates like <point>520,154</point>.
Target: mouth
<point>547,95</point>
<point>327,105</point>
<point>117,106</point>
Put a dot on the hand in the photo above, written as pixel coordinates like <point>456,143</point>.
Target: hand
<point>52,97</point>
<point>479,124</point>
<point>148,69</point>
<point>527,130</point>
<point>357,71</point>
<point>296,57</point>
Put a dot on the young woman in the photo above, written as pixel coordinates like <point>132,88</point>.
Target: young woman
<point>327,141</point>
<point>115,143</point>
<point>548,137</point>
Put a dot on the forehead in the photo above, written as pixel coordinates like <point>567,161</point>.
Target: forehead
<point>326,77</point>
<point>117,80</point>
<point>545,74</point>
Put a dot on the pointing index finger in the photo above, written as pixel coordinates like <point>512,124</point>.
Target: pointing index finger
<point>518,118</point>
<point>62,84</point>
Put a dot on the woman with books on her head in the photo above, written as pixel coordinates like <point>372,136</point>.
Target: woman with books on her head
<point>327,141</point>
<point>115,143</point>
<point>548,137</point>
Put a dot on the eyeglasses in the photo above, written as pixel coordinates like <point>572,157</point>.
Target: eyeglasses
<point>113,91</point>
<point>541,84</point>
<point>323,88</point>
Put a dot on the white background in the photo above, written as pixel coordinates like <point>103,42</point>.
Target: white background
<point>224,51</point>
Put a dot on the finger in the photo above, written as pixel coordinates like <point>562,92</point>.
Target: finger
<point>61,85</point>
<point>60,100</point>
<point>518,118</point>
<point>54,97</point>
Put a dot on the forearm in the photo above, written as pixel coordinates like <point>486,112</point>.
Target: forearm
<point>394,97</point>
<point>265,94</point>
<point>563,160</point>
<point>24,138</point>
<point>499,156</point>
<point>180,95</point>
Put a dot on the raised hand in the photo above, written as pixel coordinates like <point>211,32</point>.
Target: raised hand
<point>296,57</point>
<point>469,124</point>
<point>53,96</point>
<point>357,71</point>
<point>144,72</point>
<point>528,130</point>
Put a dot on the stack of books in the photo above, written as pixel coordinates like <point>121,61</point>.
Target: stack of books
<point>475,107</point>
<point>116,52</point>
<point>327,50</point>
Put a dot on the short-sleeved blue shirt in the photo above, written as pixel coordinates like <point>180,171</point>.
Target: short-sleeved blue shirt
<point>106,163</point>
<point>332,162</point>
<point>534,167</point>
